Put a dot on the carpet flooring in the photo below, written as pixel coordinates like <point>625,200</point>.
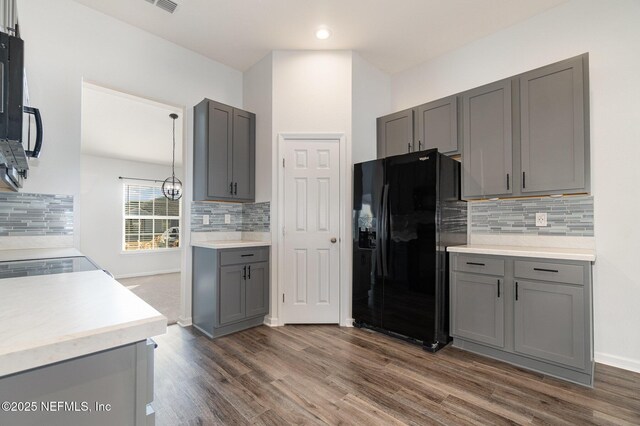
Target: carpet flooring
<point>160,291</point>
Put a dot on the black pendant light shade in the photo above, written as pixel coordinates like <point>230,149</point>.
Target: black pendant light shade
<point>172,187</point>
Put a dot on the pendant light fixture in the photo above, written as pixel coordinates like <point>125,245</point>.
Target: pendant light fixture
<point>172,187</point>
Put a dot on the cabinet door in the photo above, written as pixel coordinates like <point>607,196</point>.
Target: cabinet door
<point>257,289</point>
<point>549,322</point>
<point>553,128</point>
<point>395,133</point>
<point>487,141</point>
<point>477,308</point>
<point>219,152</point>
<point>231,300</point>
<point>437,124</point>
<point>244,155</point>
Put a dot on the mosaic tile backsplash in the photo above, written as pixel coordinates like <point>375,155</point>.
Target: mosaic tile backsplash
<point>568,216</point>
<point>35,214</point>
<point>244,217</point>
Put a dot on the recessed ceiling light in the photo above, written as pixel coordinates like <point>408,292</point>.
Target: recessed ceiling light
<point>323,33</point>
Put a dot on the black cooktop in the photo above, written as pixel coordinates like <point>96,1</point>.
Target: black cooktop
<point>33,267</point>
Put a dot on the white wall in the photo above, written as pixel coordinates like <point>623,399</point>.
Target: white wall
<point>65,43</point>
<point>258,98</point>
<point>610,32</point>
<point>101,197</point>
<point>311,94</point>
<point>371,98</point>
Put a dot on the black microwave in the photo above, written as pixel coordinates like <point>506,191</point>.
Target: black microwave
<point>13,153</point>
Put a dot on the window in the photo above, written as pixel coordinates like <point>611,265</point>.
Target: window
<point>151,221</point>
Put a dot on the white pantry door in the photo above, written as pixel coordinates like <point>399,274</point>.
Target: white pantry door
<point>311,231</point>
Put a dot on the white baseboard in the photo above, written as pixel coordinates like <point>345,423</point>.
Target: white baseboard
<point>348,322</point>
<point>147,274</point>
<point>184,322</point>
<point>618,361</point>
<point>270,321</point>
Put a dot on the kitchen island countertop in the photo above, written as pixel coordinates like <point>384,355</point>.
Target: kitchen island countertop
<point>50,318</point>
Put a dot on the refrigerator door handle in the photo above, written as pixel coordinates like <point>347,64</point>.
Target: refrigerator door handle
<point>385,225</point>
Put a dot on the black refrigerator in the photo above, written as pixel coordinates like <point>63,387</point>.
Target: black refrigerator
<point>406,212</point>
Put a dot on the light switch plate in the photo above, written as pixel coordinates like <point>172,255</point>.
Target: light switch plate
<point>205,219</point>
<point>541,219</point>
<point>227,218</point>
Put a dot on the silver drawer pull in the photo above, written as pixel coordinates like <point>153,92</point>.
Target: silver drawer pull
<point>476,264</point>
<point>545,270</point>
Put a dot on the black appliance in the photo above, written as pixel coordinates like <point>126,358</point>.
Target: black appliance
<point>13,155</point>
<point>406,212</point>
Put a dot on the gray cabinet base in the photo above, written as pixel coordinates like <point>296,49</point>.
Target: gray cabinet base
<point>112,387</point>
<point>232,328</point>
<point>584,378</point>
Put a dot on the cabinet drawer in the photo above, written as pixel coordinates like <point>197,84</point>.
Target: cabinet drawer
<point>557,272</point>
<point>479,265</point>
<point>248,255</point>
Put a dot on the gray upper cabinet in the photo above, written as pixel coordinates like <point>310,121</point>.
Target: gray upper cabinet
<point>528,135</point>
<point>219,151</point>
<point>478,302</point>
<point>552,114</point>
<point>437,126</point>
<point>224,153</point>
<point>395,133</point>
<point>487,141</point>
<point>244,155</point>
<point>549,321</point>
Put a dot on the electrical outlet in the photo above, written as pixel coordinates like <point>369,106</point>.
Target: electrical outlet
<point>205,219</point>
<point>541,219</point>
<point>227,218</point>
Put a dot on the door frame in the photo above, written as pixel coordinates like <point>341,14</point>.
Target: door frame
<point>345,223</point>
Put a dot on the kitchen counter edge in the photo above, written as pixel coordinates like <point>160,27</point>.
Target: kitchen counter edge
<point>588,255</point>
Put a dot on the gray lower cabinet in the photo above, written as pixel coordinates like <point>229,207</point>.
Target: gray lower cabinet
<point>232,294</point>
<point>230,289</point>
<point>437,126</point>
<point>549,322</point>
<point>224,153</point>
<point>554,149</point>
<point>112,387</point>
<point>534,313</point>
<point>487,163</point>
<point>479,305</point>
<point>395,133</point>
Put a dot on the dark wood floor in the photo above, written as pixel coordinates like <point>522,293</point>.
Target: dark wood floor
<point>332,375</point>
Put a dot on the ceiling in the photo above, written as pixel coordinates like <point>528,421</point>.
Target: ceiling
<point>118,125</point>
<point>391,34</point>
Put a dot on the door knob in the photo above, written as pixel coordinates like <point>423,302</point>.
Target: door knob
<point>333,240</point>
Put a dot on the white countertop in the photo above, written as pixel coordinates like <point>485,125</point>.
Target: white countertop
<point>28,254</point>
<point>225,244</point>
<point>522,251</point>
<point>50,318</point>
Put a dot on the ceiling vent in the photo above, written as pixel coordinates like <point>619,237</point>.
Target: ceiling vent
<point>166,5</point>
